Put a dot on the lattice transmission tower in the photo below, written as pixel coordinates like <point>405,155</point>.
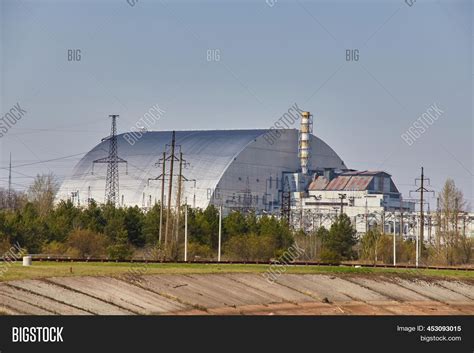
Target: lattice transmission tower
<point>286,200</point>
<point>112,191</point>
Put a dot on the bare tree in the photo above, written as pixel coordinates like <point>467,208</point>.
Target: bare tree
<point>452,207</point>
<point>43,191</point>
<point>11,200</point>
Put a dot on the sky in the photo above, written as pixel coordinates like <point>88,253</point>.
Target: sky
<point>241,65</point>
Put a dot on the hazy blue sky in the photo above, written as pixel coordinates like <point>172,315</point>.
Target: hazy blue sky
<point>155,52</point>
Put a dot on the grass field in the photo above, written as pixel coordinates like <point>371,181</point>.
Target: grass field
<point>60,269</point>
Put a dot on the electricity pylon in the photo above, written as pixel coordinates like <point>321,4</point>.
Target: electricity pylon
<point>112,191</point>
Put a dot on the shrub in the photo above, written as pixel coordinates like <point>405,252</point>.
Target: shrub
<point>4,244</point>
<point>330,256</point>
<point>120,251</point>
<point>86,243</point>
<point>155,253</point>
<point>198,251</point>
<point>251,248</point>
<point>54,248</point>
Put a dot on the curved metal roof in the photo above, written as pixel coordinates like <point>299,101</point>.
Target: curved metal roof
<point>207,153</point>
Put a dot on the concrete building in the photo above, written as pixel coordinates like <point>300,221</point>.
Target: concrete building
<point>364,196</point>
<point>370,199</point>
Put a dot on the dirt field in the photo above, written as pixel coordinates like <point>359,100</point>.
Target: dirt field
<point>238,294</point>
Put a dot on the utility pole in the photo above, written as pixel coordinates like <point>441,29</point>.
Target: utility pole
<point>301,212</point>
<point>422,190</point>
<point>162,198</point>
<point>342,197</point>
<point>366,216</point>
<point>456,215</point>
<point>112,191</point>
<point>178,198</point>
<point>438,222</point>
<point>417,246</point>
<point>9,200</point>
<point>464,225</point>
<point>161,177</point>
<point>422,216</point>
<point>394,245</point>
<point>220,235</point>
<point>171,158</point>
<point>186,231</point>
<point>316,199</point>
<point>429,223</point>
<point>194,193</point>
<point>383,221</point>
<point>170,187</point>
<point>401,217</point>
<point>400,231</point>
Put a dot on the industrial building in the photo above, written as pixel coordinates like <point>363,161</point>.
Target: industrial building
<point>238,169</point>
<point>364,196</point>
<point>286,172</point>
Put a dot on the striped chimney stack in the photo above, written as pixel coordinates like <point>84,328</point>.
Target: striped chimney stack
<point>304,152</point>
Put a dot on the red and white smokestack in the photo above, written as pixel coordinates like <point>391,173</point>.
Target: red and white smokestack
<point>304,152</point>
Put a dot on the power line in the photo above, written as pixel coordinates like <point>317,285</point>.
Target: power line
<point>44,161</point>
<point>421,190</point>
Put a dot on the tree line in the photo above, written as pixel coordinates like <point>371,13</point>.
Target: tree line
<point>33,221</point>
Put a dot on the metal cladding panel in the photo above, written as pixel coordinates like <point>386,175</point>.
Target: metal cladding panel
<point>319,183</point>
<point>358,183</point>
<point>393,187</point>
<point>338,183</point>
